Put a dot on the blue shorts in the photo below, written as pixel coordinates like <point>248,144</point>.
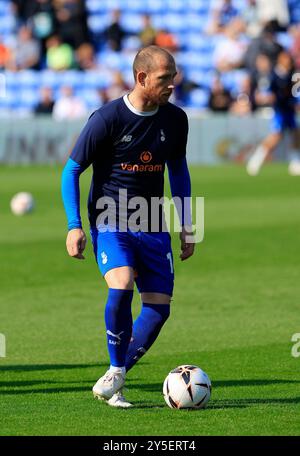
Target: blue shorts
<point>149,254</point>
<point>283,120</point>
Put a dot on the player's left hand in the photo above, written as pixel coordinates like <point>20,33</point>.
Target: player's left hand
<point>187,248</point>
<point>75,243</point>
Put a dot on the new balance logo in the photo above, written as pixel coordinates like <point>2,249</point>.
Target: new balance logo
<point>117,336</point>
<point>126,138</point>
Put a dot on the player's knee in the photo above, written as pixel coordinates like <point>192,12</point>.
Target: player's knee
<point>120,278</point>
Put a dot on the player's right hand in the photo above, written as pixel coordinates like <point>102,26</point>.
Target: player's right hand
<point>76,242</point>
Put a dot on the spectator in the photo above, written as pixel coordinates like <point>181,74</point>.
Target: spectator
<point>59,56</point>
<point>114,34</point>
<point>166,40</point>
<point>68,106</point>
<point>26,50</point>
<point>183,88</point>
<point>220,98</point>
<point>222,14</point>
<point>295,47</point>
<point>241,105</point>
<point>250,16</point>
<point>46,103</point>
<point>71,21</point>
<point>117,89</point>
<point>260,81</point>
<point>275,11</point>
<point>5,55</point>
<point>148,32</point>
<point>266,44</point>
<point>85,57</point>
<point>229,52</point>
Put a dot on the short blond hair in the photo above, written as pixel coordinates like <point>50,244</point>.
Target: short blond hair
<point>145,59</point>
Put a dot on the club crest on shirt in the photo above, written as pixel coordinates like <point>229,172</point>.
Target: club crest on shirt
<point>104,257</point>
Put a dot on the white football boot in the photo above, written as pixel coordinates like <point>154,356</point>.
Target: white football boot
<point>118,400</point>
<point>108,385</point>
<point>256,161</point>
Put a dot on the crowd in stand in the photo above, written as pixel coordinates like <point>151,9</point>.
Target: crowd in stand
<point>54,35</point>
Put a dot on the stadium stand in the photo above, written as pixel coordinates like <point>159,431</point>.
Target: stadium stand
<point>187,20</point>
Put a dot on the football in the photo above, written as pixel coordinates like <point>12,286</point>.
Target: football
<point>22,203</point>
<point>187,387</point>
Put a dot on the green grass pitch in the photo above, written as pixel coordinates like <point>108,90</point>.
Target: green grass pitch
<point>235,309</point>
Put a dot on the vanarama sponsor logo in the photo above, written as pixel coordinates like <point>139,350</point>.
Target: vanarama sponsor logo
<point>141,168</point>
<point>145,158</point>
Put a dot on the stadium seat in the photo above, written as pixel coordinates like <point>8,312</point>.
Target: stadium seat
<point>97,23</point>
<point>96,79</point>
<point>198,98</point>
<point>131,22</point>
<point>27,98</point>
<point>154,6</point>
<point>174,22</point>
<point>133,6</point>
<point>111,60</point>
<point>7,24</point>
<point>29,78</point>
<point>131,43</point>
<point>48,78</point>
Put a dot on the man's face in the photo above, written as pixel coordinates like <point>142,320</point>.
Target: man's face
<point>159,83</point>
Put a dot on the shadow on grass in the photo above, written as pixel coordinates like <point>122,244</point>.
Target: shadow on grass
<point>225,404</point>
<point>245,403</point>
<point>43,367</point>
<point>152,387</point>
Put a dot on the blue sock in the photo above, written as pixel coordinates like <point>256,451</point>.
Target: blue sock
<point>118,320</point>
<point>145,331</point>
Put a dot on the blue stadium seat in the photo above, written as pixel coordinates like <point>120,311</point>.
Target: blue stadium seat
<point>174,22</point>
<point>93,6</point>
<point>11,80</point>
<point>198,5</point>
<point>284,39</point>
<point>196,22</point>
<point>131,22</point>
<point>154,6</point>
<point>5,8</point>
<point>201,77</point>
<point>71,78</point>
<point>96,79</point>
<point>7,25</point>
<point>158,21</point>
<point>90,97</point>
<point>29,78</point>
<point>198,98</point>
<point>195,60</point>
<point>49,78</point>
<point>197,42</point>
<point>175,5</point>
<point>10,100</point>
<point>28,98</point>
<point>133,6</point>
<point>97,23</point>
<point>110,59</point>
<point>131,43</point>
